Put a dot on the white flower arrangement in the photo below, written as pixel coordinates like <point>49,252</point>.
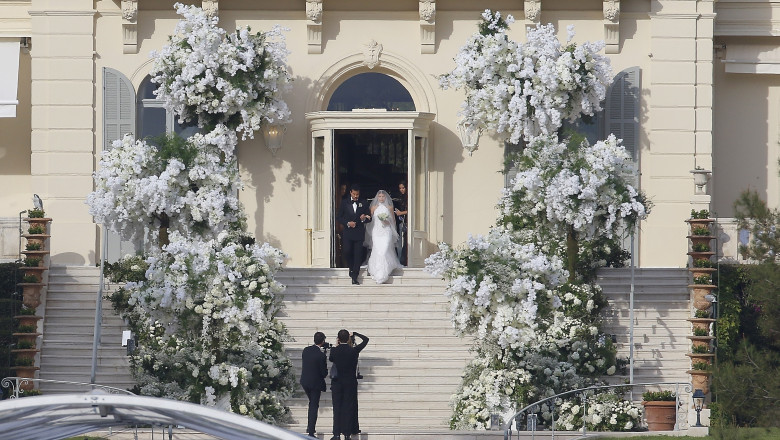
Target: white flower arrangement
<point>523,90</point>
<point>536,333</point>
<point>214,77</point>
<point>383,216</point>
<point>203,304</point>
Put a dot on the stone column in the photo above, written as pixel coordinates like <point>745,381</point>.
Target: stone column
<point>63,119</point>
<point>678,118</point>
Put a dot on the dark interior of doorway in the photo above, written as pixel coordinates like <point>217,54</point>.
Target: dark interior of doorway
<point>375,160</point>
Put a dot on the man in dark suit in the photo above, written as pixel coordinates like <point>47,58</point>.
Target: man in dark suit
<point>344,387</point>
<point>313,372</point>
<point>353,214</point>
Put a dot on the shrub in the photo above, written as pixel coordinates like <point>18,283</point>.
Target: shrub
<point>24,361</point>
<point>701,332</point>
<point>701,230</point>
<point>36,229</point>
<point>702,279</point>
<point>701,314</point>
<point>32,262</point>
<point>27,311</point>
<point>701,247</point>
<point>30,279</point>
<point>703,214</point>
<point>699,349</point>
<point>27,329</point>
<point>700,366</point>
<point>704,262</point>
<point>35,213</point>
<point>25,345</point>
<point>655,396</point>
<point>33,246</point>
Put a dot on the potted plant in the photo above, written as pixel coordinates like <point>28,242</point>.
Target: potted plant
<point>700,376</point>
<point>36,233</point>
<point>701,321</point>
<point>660,410</point>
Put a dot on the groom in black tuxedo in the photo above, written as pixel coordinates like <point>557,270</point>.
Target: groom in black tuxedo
<point>353,214</point>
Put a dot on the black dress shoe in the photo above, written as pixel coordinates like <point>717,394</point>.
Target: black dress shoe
<point>355,281</point>
<point>335,437</point>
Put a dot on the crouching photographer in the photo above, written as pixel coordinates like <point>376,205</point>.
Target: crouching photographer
<point>344,383</point>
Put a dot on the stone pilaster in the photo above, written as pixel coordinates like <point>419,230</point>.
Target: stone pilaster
<point>63,118</point>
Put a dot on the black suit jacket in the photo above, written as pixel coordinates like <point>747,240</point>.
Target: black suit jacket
<point>313,369</point>
<point>347,214</point>
<point>345,359</point>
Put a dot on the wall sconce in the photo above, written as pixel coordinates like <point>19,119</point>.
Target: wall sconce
<point>273,134</point>
<point>469,135</point>
<point>698,404</point>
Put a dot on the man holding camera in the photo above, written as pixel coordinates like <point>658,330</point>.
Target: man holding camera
<point>313,372</point>
<point>344,386</point>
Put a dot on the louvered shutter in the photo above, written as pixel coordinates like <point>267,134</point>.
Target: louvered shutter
<point>118,106</point>
<point>622,109</point>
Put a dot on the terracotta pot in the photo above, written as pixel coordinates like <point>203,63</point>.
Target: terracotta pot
<point>36,238</point>
<point>701,357</point>
<point>700,379</point>
<point>700,239</point>
<point>25,372</point>
<point>699,271</point>
<point>699,222</point>
<point>701,341</point>
<point>37,271</point>
<point>44,221</point>
<point>701,323</point>
<point>25,353</point>
<point>701,255</point>
<point>28,320</point>
<point>660,415</point>
<point>31,294</point>
<point>29,337</point>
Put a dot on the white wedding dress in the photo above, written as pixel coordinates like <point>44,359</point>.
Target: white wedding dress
<point>383,259</point>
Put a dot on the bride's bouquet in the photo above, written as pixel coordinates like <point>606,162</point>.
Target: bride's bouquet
<point>383,216</point>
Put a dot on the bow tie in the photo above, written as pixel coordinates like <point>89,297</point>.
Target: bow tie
<point>354,201</point>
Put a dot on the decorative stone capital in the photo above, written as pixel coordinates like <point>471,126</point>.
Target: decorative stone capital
<point>130,10</point>
<point>314,10</point>
<point>211,7</point>
<point>533,10</point>
<point>612,10</point>
<point>371,52</point>
<point>427,10</point>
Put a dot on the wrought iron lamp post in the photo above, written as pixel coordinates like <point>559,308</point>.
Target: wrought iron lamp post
<point>698,404</point>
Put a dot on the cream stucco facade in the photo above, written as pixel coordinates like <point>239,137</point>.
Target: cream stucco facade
<point>709,96</point>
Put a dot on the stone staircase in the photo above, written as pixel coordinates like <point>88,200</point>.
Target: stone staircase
<point>414,361</point>
<point>68,327</point>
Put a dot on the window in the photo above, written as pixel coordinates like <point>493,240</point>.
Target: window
<point>153,119</point>
<point>620,116</point>
<point>371,90</point>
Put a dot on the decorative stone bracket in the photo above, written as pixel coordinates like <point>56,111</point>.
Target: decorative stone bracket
<point>314,25</point>
<point>427,26</point>
<point>612,26</point>
<point>211,7</point>
<point>533,13</point>
<point>130,26</point>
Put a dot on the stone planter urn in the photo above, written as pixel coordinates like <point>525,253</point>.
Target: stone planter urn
<point>700,379</point>
<point>25,372</point>
<point>700,178</point>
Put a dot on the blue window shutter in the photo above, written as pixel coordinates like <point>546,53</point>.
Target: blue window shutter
<point>622,109</point>
<point>118,106</point>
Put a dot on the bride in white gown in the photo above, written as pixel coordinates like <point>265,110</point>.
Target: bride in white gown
<point>381,237</point>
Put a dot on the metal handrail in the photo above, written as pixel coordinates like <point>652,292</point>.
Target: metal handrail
<point>687,387</point>
<point>14,384</point>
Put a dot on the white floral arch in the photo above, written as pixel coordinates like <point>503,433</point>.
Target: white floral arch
<point>412,78</point>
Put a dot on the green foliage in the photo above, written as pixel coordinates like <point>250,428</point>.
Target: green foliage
<point>703,214</point>
<point>655,396</point>
<point>30,393</point>
<point>701,332</point>
<point>702,279</point>
<point>747,387</point>
<point>701,230</point>
<point>24,345</point>
<point>700,366</point>
<point>35,213</point>
<point>33,246</point>
<point>704,262</point>
<point>27,311</point>
<point>701,314</point>
<point>27,329</point>
<point>701,247</point>
<point>753,214</point>
<point>30,279</point>
<point>699,349</point>
<point>32,262</point>
<point>172,146</point>
<point>36,229</point>
<point>24,361</point>
<point>498,23</point>
<point>10,276</point>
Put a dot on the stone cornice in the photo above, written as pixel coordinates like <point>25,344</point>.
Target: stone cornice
<point>50,13</point>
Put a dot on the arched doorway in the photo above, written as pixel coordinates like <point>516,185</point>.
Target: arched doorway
<point>372,135</point>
